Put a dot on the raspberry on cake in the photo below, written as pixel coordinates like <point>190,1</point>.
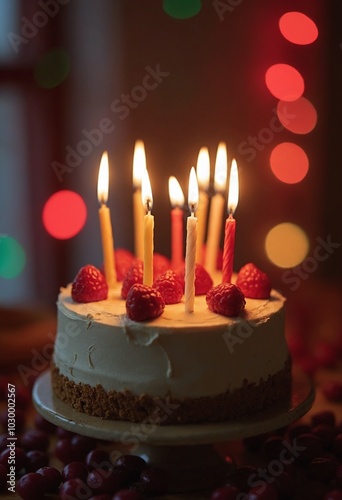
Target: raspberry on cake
<point>89,285</point>
<point>253,282</point>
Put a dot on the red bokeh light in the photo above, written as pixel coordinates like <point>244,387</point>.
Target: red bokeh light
<point>64,214</point>
<point>284,82</point>
<point>289,162</point>
<point>298,116</point>
<point>298,28</point>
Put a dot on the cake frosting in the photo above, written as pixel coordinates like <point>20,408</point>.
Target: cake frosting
<point>210,367</point>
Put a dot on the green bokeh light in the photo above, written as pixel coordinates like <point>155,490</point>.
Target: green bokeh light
<point>12,257</point>
<point>182,9</point>
<point>52,69</point>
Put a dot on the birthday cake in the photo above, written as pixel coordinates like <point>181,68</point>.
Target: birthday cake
<point>175,368</point>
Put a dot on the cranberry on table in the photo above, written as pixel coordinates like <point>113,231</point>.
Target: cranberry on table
<point>75,488</point>
<point>44,425</point>
<point>53,478</point>
<point>264,492</point>
<point>128,495</point>
<point>107,481</point>
<point>225,493</point>
<point>323,469</point>
<point>34,439</point>
<point>297,429</point>
<point>97,459</point>
<point>64,433</point>
<point>74,470</point>
<point>83,444</point>
<point>31,486</point>
<point>20,458</point>
<point>272,447</point>
<point>308,446</point>
<point>154,480</point>
<point>35,459</point>
<point>65,452</point>
<point>326,433</point>
<point>240,478</point>
<point>285,484</point>
<point>133,463</point>
<point>324,417</point>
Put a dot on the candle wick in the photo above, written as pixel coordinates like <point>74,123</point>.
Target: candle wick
<point>192,209</point>
<point>148,206</point>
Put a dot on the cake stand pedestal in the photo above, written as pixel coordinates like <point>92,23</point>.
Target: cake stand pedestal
<point>185,451</point>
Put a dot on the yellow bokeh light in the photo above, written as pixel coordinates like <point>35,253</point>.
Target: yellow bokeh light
<point>286,245</point>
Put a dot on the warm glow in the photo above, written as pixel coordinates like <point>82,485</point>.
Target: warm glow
<point>298,116</point>
<point>289,162</point>
<point>103,180</point>
<point>146,191</point>
<point>233,193</point>
<point>193,191</point>
<point>286,245</point>
<point>220,179</point>
<point>284,82</point>
<point>139,163</point>
<point>298,28</point>
<point>203,169</point>
<point>175,192</point>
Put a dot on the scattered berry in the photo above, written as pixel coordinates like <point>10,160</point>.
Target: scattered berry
<point>203,281</point>
<point>74,470</point>
<point>332,390</point>
<point>75,488</point>
<point>266,492</point>
<point>123,261</point>
<point>143,303</point>
<point>322,469</point>
<point>154,481</point>
<point>97,459</point>
<point>44,425</point>
<point>226,299</point>
<point>31,486</point>
<point>324,417</point>
<point>253,283</point>
<point>133,463</point>
<point>53,478</point>
<point>134,275</point>
<point>89,285</point>
<point>34,439</point>
<point>36,459</point>
<point>169,288</point>
<point>326,433</point>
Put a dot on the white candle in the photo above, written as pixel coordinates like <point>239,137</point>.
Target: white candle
<point>139,165</point>
<point>191,237</point>
<point>216,209</point>
<point>105,222</point>
<point>147,201</point>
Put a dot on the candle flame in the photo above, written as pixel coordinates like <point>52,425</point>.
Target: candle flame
<point>193,191</point>
<point>203,169</point>
<point>175,192</point>
<point>103,180</point>
<point>146,191</point>
<point>139,163</point>
<point>233,194</point>
<point>220,179</point>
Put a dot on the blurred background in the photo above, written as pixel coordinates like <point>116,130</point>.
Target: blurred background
<point>78,77</point>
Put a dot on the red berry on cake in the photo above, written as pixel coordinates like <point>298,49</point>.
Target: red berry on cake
<point>253,282</point>
<point>226,299</point>
<point>169,287</point>
<point>160,264</point>
<point>89,285</point>
<point>123,261</point>
<point>134,275</point>
<point>144,302</point>
<point>203,281</point>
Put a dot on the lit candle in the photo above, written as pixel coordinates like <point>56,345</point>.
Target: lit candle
<point>147,201</point>
<point>216,209</point>
<point>229,234</point>
<point>105,222</point>
<point>191,236</point>
<point>203,176</point>
<point>177,201</point>
<point>139,165</point>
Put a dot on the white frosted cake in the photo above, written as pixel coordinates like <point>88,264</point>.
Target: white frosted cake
<point>177,368</point>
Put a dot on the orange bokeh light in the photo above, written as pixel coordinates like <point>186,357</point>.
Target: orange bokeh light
<point>64,214</point>
<point>298,28</point>
<point>289,162</point>
<point>284,82</point>
<point>299,116</point>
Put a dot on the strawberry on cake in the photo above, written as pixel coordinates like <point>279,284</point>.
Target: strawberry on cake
<point>134,354</point>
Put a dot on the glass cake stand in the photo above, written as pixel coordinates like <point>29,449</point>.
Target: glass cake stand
<point>185,451</point>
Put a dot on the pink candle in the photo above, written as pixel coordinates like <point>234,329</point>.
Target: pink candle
<point>229,234</point>
<point>177,201</point>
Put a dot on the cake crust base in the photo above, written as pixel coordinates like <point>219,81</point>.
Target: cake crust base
<point>144,408</point>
